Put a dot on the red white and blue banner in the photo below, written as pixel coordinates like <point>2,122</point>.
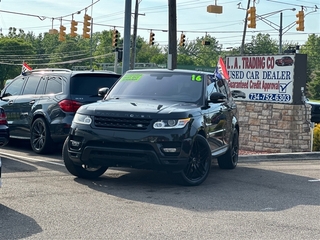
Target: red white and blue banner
<point>25,67</point>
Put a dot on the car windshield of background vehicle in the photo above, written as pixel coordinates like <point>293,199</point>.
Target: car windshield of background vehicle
<point>180,87</point>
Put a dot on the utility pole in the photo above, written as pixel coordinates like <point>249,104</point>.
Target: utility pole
<point>280,34</point>
<point>245,29</point>
<point>126,37</point>
<point>172,54</point>
<point>134,37</point>
<point>91,41</point>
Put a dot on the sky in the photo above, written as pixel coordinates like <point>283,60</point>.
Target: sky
<point>38,16</point>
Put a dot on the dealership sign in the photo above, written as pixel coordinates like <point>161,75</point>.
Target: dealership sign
<point>266,78</point>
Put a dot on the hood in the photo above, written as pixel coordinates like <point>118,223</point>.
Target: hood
<point>135,106</point>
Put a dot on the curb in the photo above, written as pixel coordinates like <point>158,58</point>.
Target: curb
<point>280,157</point>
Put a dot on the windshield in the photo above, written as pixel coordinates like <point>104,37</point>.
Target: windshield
<point>172,86</point>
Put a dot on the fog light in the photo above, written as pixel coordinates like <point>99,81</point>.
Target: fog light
<point>75,143</point>
<point>170,150</point>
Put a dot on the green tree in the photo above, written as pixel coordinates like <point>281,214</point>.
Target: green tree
<point>104,51</point>
<point>198,54</point>
<point>146,53</point>
<point>313,86</point>
<point>262,44</point>
<point>12,52</point>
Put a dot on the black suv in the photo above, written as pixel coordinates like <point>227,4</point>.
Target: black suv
<point>41,103</point>
<point>315,111</point>
<point>160,119</point>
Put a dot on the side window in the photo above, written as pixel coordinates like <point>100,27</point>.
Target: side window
<point>211,85</point>
<point>41,86</point>
<point>54,85</point>
<point>31,85</point>
<point>15,87</point>
<point>223,87</point>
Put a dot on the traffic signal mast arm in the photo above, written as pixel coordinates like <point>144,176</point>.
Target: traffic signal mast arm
<point>275,26</point>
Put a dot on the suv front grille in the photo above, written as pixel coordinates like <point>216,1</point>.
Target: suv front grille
<point>123,123</point>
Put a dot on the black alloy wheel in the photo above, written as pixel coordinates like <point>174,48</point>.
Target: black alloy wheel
<point>199,164</point>
<point>40,139</point>
<point>83,171</point>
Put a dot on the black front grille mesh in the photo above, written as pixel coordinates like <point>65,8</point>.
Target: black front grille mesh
<point>124,123</point>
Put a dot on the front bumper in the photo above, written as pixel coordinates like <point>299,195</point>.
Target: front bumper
<point>155,149</point>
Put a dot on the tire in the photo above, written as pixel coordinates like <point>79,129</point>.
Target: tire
<point>80,171</point>
<point>230,159</point>
<point>199,164</point>
<point>40,138</point>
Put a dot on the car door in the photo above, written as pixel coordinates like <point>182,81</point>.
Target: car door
<point>229,111</point>
<point>24,103</point>
<point>215,118</point>
<point>9,96</point>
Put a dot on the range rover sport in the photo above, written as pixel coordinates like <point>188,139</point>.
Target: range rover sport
<point>158,119</point>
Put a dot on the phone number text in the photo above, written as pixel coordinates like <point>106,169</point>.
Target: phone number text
<point>272,97</point>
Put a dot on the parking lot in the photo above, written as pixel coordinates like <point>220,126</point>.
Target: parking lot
<point>257,200</point>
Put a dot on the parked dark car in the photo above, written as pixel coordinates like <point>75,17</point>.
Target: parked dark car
<point>238,94</point>
<point>40,104</point>
<point>4,133</point>
<point>159,119</point>
<point>284,61</point>
<point>315,111</point>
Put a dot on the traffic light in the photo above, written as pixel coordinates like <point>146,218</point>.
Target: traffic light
<point>74,28</point>
<point>62,33</point>
<point>182,40</point>
<point>115,37</point>
<point>86,26</point>
<point>252,17</point>
<point>300,21</point>
<point>151,38</point>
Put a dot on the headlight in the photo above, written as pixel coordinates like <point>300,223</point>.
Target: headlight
<point>82,119</point>
<point>171,124</point>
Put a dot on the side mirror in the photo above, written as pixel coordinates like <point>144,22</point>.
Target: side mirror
<point>103,91</point>
<point>217,97</point>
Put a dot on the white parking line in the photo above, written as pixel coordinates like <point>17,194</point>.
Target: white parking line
<point>314,180</point>
<point>30,159</point>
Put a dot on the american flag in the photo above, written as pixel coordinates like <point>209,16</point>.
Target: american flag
<point>25,67</point>
<point>221,70</point>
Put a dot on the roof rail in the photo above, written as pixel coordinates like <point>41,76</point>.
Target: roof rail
<point>47,70</point>
<point>51,69</point>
